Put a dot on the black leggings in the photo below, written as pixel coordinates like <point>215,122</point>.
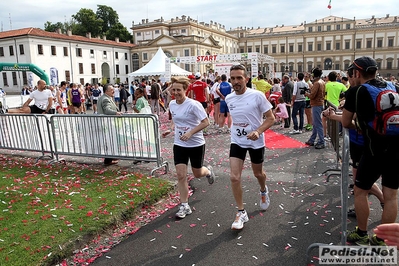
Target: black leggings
<point>124,104</point>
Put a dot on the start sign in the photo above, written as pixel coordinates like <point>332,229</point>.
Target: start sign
<point>203,58</point>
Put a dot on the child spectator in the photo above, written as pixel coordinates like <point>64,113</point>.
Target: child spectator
<point>281,112</point>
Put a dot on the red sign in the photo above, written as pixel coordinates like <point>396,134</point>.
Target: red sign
<point>206,58</point>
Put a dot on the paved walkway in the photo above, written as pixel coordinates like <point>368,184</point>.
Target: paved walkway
<point>304,209</point>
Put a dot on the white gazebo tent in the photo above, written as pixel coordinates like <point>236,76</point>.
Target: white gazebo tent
<point>156,67</point>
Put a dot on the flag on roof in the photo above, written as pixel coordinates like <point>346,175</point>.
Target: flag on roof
<point>329,5</point>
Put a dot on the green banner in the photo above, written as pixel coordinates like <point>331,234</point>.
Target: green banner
<point>25,67</point>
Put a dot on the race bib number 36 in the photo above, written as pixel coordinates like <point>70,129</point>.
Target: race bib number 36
<point>241,129</point>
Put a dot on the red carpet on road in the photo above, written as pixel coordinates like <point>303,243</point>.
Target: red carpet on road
<point>274,140</point>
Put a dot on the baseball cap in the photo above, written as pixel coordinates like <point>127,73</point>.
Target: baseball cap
<point>197,75</point>
<point>191,76</point>
<point>364,63</point>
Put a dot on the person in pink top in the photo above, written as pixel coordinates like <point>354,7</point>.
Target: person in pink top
<point>281,112</point>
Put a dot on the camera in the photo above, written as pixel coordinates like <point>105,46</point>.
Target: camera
<point>303,90</point>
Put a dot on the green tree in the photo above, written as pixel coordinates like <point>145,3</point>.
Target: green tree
<point>104,22</point>
<point>52,27</point>
<point>120,31</point>
<point>108,15</point>
<point>87,21</point>
<point>48,26</point>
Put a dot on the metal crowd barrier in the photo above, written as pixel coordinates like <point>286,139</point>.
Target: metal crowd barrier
<point>14,101</point>
<point>333,132</point>
<point>134,137</point>
<point>26,133</point>
<point>344,197</point>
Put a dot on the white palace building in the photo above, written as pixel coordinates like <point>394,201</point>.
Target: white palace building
<point>329,43</point>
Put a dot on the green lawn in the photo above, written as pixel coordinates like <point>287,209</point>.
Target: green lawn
<point>45,209</point>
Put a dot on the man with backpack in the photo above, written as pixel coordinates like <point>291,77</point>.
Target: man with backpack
<point>374,105</point>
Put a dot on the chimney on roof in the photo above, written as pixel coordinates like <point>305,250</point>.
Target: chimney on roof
<point>387,16</point>
<point>143,21</point>
<point>372,17</point>
<point>104,38</point>
<point>128,41</point>
<point>88,35</point>
<point>171,20</point>
<point>117,39</point>
<point>69,32</point>
<point>183,17</point>
<point>58,31</point>
<point>146,20</point>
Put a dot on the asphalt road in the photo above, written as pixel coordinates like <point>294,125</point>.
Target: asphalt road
<point>304,209</point>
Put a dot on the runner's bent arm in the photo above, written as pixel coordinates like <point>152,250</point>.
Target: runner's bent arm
<point>59,100</point>
<point>50,104</point>
<point>26,104</point>
<point>203,124</point>
<point>269,121</point>
<point>347,119</point>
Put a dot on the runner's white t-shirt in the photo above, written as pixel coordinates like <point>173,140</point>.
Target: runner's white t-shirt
<point>41,98</point>
<point>247,112</point>
<point>213,90</point>
<point>187,116</point>
<point>117,92</point>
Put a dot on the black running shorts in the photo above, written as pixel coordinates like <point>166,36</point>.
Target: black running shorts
<point>256,155</point>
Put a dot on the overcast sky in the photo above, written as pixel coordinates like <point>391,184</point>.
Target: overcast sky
<point>18,14</point>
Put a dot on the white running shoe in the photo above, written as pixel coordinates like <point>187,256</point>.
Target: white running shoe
<point>264,199</point>
<point>210,177</point>
<point>241,218</point>
<point>183,211</point>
